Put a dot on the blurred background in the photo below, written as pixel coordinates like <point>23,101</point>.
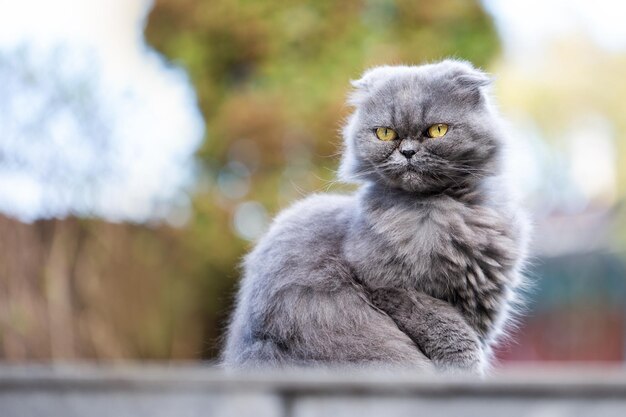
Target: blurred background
<point>145,145</point>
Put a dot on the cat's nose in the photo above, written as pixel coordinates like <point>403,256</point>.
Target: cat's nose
<point>408,153</point>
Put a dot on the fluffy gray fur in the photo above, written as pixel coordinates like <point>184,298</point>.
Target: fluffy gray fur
<point>421,266</point>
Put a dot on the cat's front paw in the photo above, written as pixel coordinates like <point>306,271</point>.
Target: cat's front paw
<point>458,352</point>
<point>434,326</point>
<point>470,361</point>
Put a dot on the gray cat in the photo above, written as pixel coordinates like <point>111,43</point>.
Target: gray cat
<point>421,266</point>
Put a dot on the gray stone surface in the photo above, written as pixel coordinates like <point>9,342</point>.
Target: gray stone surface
<point>157,391</point>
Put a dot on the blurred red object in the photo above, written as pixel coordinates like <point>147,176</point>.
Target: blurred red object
<point>575,333</point>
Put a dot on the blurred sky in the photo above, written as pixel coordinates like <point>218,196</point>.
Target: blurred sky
<point>555,44</point>
<point>148,123</point>
<point>526,27</point>
<point>155,126</point>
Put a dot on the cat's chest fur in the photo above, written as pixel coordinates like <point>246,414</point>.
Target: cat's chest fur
<point>446,248</point>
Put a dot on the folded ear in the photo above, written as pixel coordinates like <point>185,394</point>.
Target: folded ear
<point>369,80</point>
<point>474,80</point>
<point>467,80</point>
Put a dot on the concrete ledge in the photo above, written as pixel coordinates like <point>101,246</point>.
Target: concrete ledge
<point>204,391</point>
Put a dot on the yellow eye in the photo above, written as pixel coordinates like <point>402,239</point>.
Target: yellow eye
<point>438,130</point>
<point>386,134</point>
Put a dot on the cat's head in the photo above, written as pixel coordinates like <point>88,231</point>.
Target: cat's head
<point>421,128</point>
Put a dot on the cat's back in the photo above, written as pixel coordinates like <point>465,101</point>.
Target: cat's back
<point>303,241</point>
<point>297,254</point>
<point>303,236</point>
<point>311,217</point>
